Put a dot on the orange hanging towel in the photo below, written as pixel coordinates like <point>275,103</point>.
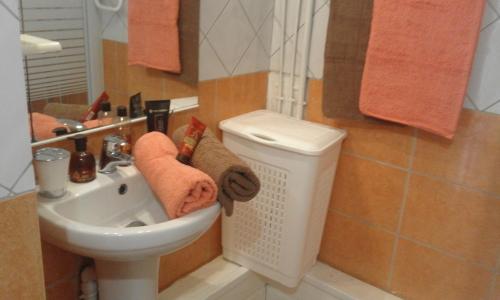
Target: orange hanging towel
<point>153,34</point>
<point>418,61</point>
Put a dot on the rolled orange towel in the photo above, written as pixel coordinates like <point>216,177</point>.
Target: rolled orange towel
<point>181,188</point>
<point>43,126</point>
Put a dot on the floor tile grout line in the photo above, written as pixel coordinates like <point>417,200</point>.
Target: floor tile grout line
<point>448,254</point>
<point>402,209</point>
<point>7,8</point>
<point>424,244</point>
<point>413,172</point>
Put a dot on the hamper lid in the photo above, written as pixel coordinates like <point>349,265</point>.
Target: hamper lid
<point>284,132</point>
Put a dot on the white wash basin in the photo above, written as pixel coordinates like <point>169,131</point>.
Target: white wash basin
<point>91,220</point>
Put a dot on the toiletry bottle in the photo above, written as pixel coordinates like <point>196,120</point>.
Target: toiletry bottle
<point>123,130</point>
<point>91,112</point>
<point>104,117</point>
<point>82,164</point>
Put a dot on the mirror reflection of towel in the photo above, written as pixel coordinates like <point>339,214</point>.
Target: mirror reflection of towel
<point>153,34</point>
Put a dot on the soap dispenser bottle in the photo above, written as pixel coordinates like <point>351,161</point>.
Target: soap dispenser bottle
<point>82,166</point>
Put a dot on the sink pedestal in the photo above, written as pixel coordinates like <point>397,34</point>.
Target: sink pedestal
<point>128,280</point>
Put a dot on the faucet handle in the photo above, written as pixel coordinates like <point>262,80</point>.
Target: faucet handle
<point>114,145</point>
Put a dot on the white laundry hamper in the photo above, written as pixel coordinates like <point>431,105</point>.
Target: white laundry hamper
<point>278,233</point>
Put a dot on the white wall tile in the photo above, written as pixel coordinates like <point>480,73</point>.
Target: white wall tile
<point>484,87</point>
<point>4,193</point>
<point>12,5</point>
<point>489,15</point>
<point>230,25</point>
<point>495,108</point>
<point>495,5</point>
<point>115,24</point>
<point>15,153</point>
<point>25,180</point>
<point>257,11</point>
<point>209,11</point>
<point>253,60</point>
<point>231,35</point>
<point>266,34</point>
<point>210,66</point>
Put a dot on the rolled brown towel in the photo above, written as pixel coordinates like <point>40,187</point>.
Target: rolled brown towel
<point>234,178</point>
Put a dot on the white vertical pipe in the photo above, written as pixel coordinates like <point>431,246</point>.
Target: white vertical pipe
<point>282,57</point>
<point>290,99</point>
<point>306,47</point>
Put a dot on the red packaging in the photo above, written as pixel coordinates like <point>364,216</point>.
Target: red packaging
<point>192,137</point>
<point>91,113</point>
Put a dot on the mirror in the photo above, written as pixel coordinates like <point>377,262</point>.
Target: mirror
<point>62,85</point>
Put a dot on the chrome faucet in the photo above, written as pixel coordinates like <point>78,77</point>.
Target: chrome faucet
<point>113,155</point>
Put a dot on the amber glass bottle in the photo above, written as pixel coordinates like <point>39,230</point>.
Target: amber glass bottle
<point>82,164</point>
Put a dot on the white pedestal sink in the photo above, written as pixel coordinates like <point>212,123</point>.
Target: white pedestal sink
<point>91,220</point>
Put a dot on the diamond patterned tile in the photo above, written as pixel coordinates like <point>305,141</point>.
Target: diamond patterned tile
<point>231,35</point>
<point>266,33</point>
<point>495,4</point>
<point>495,108</point>
<point>489,15</point>
<point>484,89</point>
<point>257,11</point>
<point>210,10</point>
<point>16,149</point>
<point>26,182</point>
<point>252,60</point>
<point>4,192</point>
<point>210,65</point>
<point>12,6</point>
<point>469,104</point>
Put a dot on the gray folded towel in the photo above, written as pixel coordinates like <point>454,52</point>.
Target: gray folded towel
<point>234,178</point>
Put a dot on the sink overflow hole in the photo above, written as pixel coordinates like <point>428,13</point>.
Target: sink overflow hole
<point>122,189</point>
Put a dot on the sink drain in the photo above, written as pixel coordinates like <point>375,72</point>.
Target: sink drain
<point>136,224</point>
<point>122,189</point>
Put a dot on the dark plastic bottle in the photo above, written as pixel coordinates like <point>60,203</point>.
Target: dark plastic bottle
<point>82,167</point>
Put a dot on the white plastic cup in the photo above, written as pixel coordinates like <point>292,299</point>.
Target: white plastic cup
<point>51,167</point>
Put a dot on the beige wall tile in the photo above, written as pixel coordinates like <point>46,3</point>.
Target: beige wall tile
<point>471,158</point>
<point>357,249</point>
<point>240,94</point>
<point>58,263</point>
<point>496,292</point>
<point>387,142</point>
<point>109,64</point>
<point>21,272</point>
<point>421,273</point>
<point>454,219</point>
<point>368,190</point>
<point>121,68</point>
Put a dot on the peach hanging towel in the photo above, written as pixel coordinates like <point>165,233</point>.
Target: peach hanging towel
<point>153,34</point>
<point>419,60</point>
